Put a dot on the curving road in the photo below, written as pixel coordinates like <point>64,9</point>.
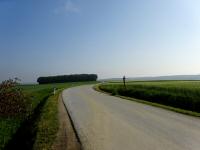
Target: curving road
<point>105,122</point>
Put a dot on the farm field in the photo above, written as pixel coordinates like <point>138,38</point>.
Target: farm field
<point>41,115</point>
<point>183,95</point>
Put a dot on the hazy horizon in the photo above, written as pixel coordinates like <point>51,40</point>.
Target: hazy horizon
<point>109,38</point>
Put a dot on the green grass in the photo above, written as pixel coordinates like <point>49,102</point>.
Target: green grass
<point>9,126</point>
<point>179,95</point>
<point>47,125</point>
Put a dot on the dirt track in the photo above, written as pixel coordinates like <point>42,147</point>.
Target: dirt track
<point>109,123</point>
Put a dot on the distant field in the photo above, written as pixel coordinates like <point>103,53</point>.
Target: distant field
<point>47,114</point>
<point>179,94</point>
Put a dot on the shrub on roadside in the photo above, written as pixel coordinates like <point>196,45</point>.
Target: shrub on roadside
<point>12,99</point>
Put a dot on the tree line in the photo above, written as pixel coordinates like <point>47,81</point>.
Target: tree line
<point>67,78</point>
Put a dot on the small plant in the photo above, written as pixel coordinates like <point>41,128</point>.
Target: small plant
<point>12,99</point>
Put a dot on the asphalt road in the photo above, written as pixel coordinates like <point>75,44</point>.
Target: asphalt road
<point>105,122</point>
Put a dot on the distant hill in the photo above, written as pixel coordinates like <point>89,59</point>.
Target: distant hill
<point>174,77</point>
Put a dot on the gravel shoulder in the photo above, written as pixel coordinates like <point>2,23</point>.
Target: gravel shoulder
<point>66,136</point>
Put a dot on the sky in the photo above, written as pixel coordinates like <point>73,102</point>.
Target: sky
<point>111,38</point>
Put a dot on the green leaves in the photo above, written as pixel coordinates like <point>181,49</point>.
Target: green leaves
<point>12,99</point>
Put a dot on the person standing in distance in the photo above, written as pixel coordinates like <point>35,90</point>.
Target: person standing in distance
<point>124,81</point>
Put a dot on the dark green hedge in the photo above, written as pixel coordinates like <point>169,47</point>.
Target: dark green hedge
<point>67,78</point>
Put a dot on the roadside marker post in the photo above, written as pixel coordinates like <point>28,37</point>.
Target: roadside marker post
<point>54,91</point>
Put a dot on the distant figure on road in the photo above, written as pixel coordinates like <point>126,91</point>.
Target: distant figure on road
<point>124,80</point>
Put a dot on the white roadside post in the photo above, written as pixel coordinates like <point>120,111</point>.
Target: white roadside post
<point>54,91</point>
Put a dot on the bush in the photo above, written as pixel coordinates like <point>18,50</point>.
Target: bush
<point>12,99</point>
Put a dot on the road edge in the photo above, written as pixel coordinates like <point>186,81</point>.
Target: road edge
<point>72,123</point>
<point>67,137</point>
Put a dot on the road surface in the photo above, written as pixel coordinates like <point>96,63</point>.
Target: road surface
<point>106,122</point>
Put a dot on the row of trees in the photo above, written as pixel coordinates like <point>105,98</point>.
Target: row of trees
<point>67,78</point>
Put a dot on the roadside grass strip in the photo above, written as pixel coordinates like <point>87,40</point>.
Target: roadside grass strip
<point>178,96</point>
<point>48,124</point>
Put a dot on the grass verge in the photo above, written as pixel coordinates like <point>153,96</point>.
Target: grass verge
<point>41,122</point>
<point>47,126</point>
<point>114,92</point>
<point>9,126</point>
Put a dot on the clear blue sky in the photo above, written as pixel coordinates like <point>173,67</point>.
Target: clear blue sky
<point>109,37</point>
